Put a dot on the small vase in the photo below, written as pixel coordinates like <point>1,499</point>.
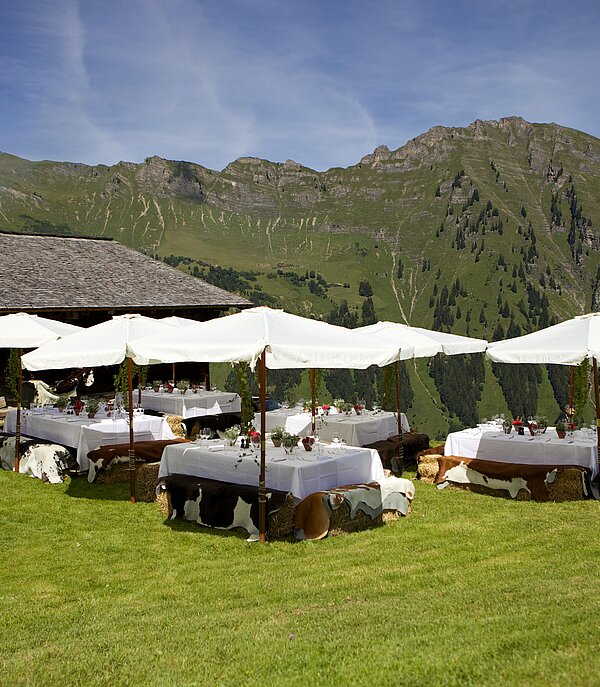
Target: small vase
<point>288,449</point>
<point>276,442</point>
<point>91,415</point>
<point>561,433</point>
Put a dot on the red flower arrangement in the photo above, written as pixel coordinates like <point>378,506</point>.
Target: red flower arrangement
<point>518,422</point>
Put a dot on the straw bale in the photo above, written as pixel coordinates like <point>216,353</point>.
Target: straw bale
<point>147,474</point>
<point>115,473</point>
<point>567,486</point>
<point>163,503</point>
<point>175,422</point>
<point>341,523</point>
<point>428,466</point>
<point>281,522</point>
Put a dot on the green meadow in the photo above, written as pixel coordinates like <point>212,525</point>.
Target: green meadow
<point>466,590</point>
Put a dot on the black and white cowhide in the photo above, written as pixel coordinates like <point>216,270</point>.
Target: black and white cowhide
<point>48,462</point>
<point>218,504</point>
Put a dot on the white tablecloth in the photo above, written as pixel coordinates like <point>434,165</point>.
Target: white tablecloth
<point>544,449</point>
<point>190,404</point>
<point>84,434</point>
<point>302,473</point>
<point>276,418</point>
<point>357,430</point>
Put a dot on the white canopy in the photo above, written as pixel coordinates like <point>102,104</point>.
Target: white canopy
<point>567,343</point>
<point>290,341</point>
<point>176,321</point>
<point>21,330</point>
<point>103,344</point>
<point>416,342</point>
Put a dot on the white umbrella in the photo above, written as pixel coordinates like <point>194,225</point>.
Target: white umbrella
<point>417,342</point>
<point>278,340</point>
<point>290,341</point>
<point>176,321</point>
<point>22,330</point>
<point>566,343</point>
<point>106,343</point>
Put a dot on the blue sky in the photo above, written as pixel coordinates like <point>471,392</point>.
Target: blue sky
<point>322,82</point>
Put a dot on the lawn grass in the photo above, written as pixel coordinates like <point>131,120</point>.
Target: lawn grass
<point>467,590</point>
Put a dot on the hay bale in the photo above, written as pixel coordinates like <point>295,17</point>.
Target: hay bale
<point>175,422</point>
<point>281,522</point>
<point>147,474</point>
<point>115,473</point>
<point>163,503</point>
<point>341,523</point>
<point>568,485</point>
<point>428,466</point>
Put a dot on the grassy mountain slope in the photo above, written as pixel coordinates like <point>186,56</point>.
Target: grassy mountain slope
<point>509,209</point>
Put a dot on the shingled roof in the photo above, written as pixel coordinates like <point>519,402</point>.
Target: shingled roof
<point>40,273</point>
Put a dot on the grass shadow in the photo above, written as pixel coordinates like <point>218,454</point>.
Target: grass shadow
<point>80,488</point>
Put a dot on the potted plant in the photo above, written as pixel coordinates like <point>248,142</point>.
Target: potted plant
<point>507,426</point>
<point>325,408</point>
<point>277,436</point>
<point>358,408</point>
<point>340,404</point>
<point>348,407</point>
<point>78,406</point>
<point>518,425</point>
<point>561,430</point>
<point>156,384</point>
<point>62,402</point>
<point>183,385</point>
<point>289,441</point>
<point>92,407</point>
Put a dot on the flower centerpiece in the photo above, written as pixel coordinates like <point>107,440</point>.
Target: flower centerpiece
<point>62,402</point>
<point>78,406</point>
<point>507,426</point>
<point>308,443</point>
<point>560,428</point>
<point>348,408</point>
<point>518,425</point>
<point>231,434</point>
<point>277,436</point>
<point>289,441</point>
<point>325,408</point>
<point>156,384</point>
<point>183,385</point>
<point>340,404</point>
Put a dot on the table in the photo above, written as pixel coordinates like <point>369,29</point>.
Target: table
<point>276,418</point>
<point>84,434</point>
<point>191,404</point>
<point>356,430</point>
<point>301,473</point>
<point>490,443</point>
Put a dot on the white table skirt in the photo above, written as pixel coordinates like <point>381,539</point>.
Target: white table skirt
<point>84,434</point>
<point>356,430</point>
<point>302,473</point>
<point>276,418</point>
<point>544,449</point>
<point>190,404</point>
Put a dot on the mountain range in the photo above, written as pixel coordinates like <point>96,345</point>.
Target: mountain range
<point>490,230</point>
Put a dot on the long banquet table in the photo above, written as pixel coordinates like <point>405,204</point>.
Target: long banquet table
<point>355,430</point>
<point>191,404</point>
<point>490,443</point>
<point>84,434</point>
<point>300,473</point>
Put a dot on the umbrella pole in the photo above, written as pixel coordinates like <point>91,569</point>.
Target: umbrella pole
<point>131,451</point>
<point>312,392</point>
<point>385,381</point>
<point>139,376</point>
<point>173,374</point>
<point>262,491</point>
<point>397,374</point>
<point>571,379</point>
<point>400,451</point>
<point>597,399</point>
<point>18,427</point>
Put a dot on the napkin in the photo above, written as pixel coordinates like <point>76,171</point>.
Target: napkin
<point>217,447</point>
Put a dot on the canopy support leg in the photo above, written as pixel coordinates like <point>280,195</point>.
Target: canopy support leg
<point>262,490</point>
<point>597,400</point>
<point>312,395</point>
<point>18,427</point>
<point>131,452</point>
<point>399,418</point>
